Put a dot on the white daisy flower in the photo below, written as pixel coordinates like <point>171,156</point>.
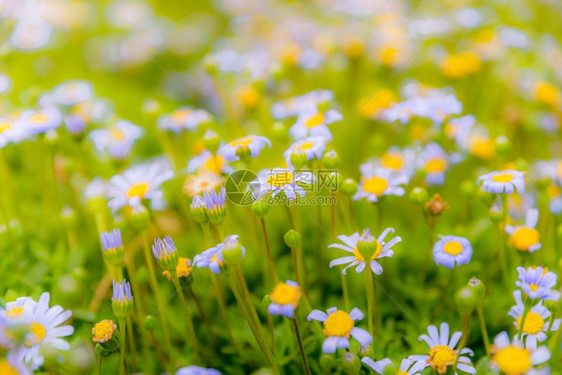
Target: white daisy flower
<point>451,250</point>
<point>435,162</point>
<point>349,243</point>
<point>296,105</point>
<point>72,92</point>
<point>537,283</point>
<point>281,180</point>
<point>442,352</point>
<point>139,183</point>
<point>536,321</point>
<point>399,161</point>
<point>511,358</point>
<point>312,147</point>
<point>314,123</point>
<point>117,139</point>
<point>206,161</point>
<point>184,118</point>
<point>503,182</point>
<point>41,120</point>
<point>407,366</point>
<point>250,145</point>
<point>378,182</point>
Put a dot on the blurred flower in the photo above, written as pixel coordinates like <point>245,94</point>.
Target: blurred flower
<point>117,139</point>
<point>312,147</point>
<point>435,162</point>
<point>314,123</point>
<point>536,327</point>
<point>206,161</point>
<point>371,107</point>
<point>42,120</point>
<point>338,327</point>
<point>300,104</point>
<point>184,118</point>
<point>31,33</point>
<point>284,299</point>
<point>442,353</point>
<point>12,130</point>
<point>452,249</point>
<point>382,249</point>
<point>525,237</point>
<point>512,358</point>
<point>537,283</point>
<point>378,182</point>
<point>245,147</point>
<point>201,182</point>
<point>461,64</point>
<point>503,182</point>
<point>279,180</point>
<point>139,183</point>
<point>213,258</point>
<point>196,370</point>
<point>72,92</point>
<point>399,161</point>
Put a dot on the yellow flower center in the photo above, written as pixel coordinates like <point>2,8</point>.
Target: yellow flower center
<point>138,190</point>
<point>504,177</point>
<point>547,93</point>
<point>452,248</point>
<point>534,323</point>
<point>306,146</point>
<point>369,107</point>
<point>214,163</point>
<point>14,312</point>
<point>461,64</point>
<point>248,96</point>
<point>103,331</point>
<point>180,115</point>
<point>483,148</point>
<point>39,118</point>
<point>440,357</point>
<point>523,238</point>
<point>284,294</point>
<point>533,287</point>
<point>361,258</point>
<point>116,134</point>
<point>242,142</point>
<point>279,179</point>
<point>316,120</point>
<point>393,161</point>
<point>402,372</point>
<point>513,360</point>
<point>436,165</point>
<point>7,369</point>
<point>338,324</point>
<point>5,126</point>
<point>38,331</point>
<point>375,185</point>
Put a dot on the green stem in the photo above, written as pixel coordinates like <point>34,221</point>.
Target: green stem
<point>483,329</point>
<point>219,287</point>
<point>345,291</point>
<point>522,324</point>
<point>123,329</point>
<point>301,347</point>
<point>502,250</point>
<point>189,322</point>
<point>154,285</point>
<point>369,289</point>
<point>552,319</point>
<point>100,358</point>
<point>268,251</point>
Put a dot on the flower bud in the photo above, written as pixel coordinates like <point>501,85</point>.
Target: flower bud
<point>466,299</point>
<point>260,208</point>
<point>232,252</point>
<point>477,287</point>
<point>349,187</point>
<point>419,195</point>
<point>351,363</point>
<point>122,300</point>
<point>198,210</point>
<point>149,323</point>
<point>298,158</point>
<point>164,251</point>
<point>331,160</point>
<point>140,217</point>
<point>292,238</point>
<point>279,131</point>
<point>366,351</point>
<point>327,363</point>
<point>211,140</point>
<point>436,205</point>
<point>367,244</point>
<point>503,145</point>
